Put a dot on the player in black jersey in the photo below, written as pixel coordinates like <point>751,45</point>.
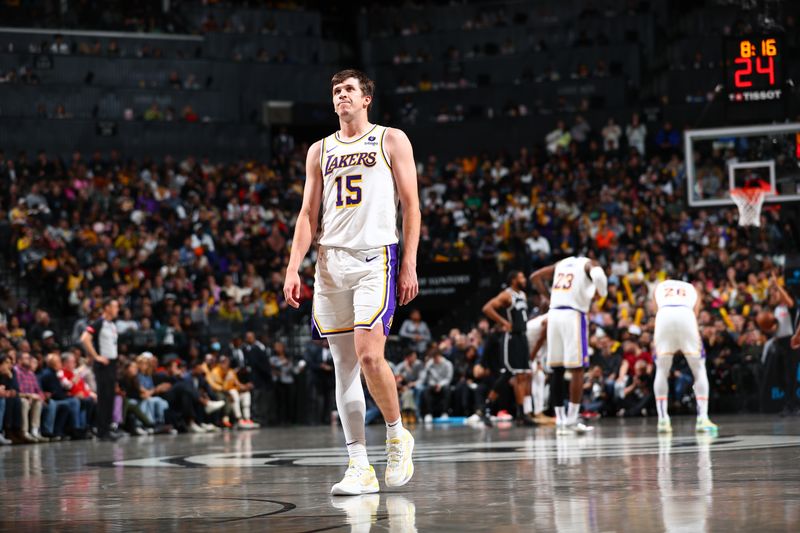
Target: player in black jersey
<point>509,310</point>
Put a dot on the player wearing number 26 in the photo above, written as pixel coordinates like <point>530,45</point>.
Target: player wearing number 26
<point>357,177</point>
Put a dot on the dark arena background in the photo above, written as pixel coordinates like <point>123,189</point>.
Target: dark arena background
<point>153,154</point>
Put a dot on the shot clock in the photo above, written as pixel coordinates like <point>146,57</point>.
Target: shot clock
<point>753,69</point>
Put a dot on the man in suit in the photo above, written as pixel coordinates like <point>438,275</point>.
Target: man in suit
<point>256,357</point>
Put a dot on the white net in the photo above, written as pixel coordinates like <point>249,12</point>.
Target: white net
<point>749,202</point>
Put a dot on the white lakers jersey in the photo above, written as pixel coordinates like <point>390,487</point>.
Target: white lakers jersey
<point>675,293</point>
<point>572,286</point>
<point>359,198</point>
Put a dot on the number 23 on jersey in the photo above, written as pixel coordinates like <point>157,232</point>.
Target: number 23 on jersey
<point>563,282</point>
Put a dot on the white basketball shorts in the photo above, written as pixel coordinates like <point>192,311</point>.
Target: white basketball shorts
<point>676,331</point>
<point>354,289</point>
<point>567,338</point>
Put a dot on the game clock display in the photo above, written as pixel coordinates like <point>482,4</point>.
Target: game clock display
<point>753,69</point>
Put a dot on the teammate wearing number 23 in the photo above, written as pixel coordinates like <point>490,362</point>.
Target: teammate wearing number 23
<point>358,177</point>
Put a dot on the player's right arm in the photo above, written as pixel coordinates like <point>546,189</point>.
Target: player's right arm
<point>501,301</point>
<point>540,341</point>
<point>538,277</point>
<point>306,225</point>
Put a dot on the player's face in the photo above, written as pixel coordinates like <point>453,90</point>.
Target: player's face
<point>348,98</point>
<point>521,280</point>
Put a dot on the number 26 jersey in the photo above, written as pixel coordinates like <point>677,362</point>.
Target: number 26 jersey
<point>572,286</point>
<point>359,197</point>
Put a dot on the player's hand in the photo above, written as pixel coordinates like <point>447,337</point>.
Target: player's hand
<point>101,359</point>
<point>291,288</point>
<point>506,326</point>
<point>795,342</point>
<point>408,285</point>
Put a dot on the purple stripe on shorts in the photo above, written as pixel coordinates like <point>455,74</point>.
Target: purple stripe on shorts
<point>315,333</point>
<point>391,288</point>
<point>584,341</point>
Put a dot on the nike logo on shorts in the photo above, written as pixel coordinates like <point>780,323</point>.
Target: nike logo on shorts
<point>368,259</point>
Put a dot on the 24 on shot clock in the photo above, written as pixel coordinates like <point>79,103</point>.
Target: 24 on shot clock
<point>753,70</point>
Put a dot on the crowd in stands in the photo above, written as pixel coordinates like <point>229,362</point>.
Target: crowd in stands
<point>195,251</point>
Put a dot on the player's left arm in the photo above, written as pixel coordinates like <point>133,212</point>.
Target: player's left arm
<point>598,277</point>
<point>404,169</point>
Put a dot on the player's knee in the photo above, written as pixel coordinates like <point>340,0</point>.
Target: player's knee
<point>370,361</point>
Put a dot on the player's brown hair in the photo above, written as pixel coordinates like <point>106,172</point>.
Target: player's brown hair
<point>364,81</point>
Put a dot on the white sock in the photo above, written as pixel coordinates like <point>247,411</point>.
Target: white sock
<point>561,416</point>
<point>358,454</point>
<point>350,401</point>
<point>538,392</point>
<point>661,386</point>
<point>527,405</point>
<point>698,366</point>
<point>661,407</point>
<point>394,429</point>
<point>572,413</point>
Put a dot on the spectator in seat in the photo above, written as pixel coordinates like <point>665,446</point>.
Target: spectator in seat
<point>31,397</point>
<point>539,248</point>
<point>79,389</point>
<point>611,134</point>
<point>237,394</point>
<point>595,396</point>
<point>409,374</point>
<point>152,404</point>
<point>667,139</point>
<point>184,398</point>
<point>636,134</point>
<point>61,411</point>
<point>8,394</point>
<point>132,415</point>
<point>438,375</point>
<point>415,332</point>
<point>638,396</point>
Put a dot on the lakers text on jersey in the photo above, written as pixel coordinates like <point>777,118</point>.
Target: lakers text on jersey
<point>359,197</point>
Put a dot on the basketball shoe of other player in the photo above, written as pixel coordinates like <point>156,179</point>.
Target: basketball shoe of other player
<point>665,426</point>
<point>357,480</point>
<point>399,466</point>
<point>579,428</point>
<point>704,425</point>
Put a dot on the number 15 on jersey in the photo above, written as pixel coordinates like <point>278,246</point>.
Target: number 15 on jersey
<point>348,195</point>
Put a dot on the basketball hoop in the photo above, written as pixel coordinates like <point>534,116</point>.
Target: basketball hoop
<point>749,201</point>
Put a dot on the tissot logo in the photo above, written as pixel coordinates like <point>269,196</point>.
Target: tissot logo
<point>571,448</point>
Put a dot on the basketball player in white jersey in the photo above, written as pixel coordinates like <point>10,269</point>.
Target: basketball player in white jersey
<point>536,331</point>
<point>575,282</point>
<point>356,177</point>
<point>677,305</point>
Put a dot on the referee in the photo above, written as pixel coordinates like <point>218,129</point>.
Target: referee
<point>100,342</point>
